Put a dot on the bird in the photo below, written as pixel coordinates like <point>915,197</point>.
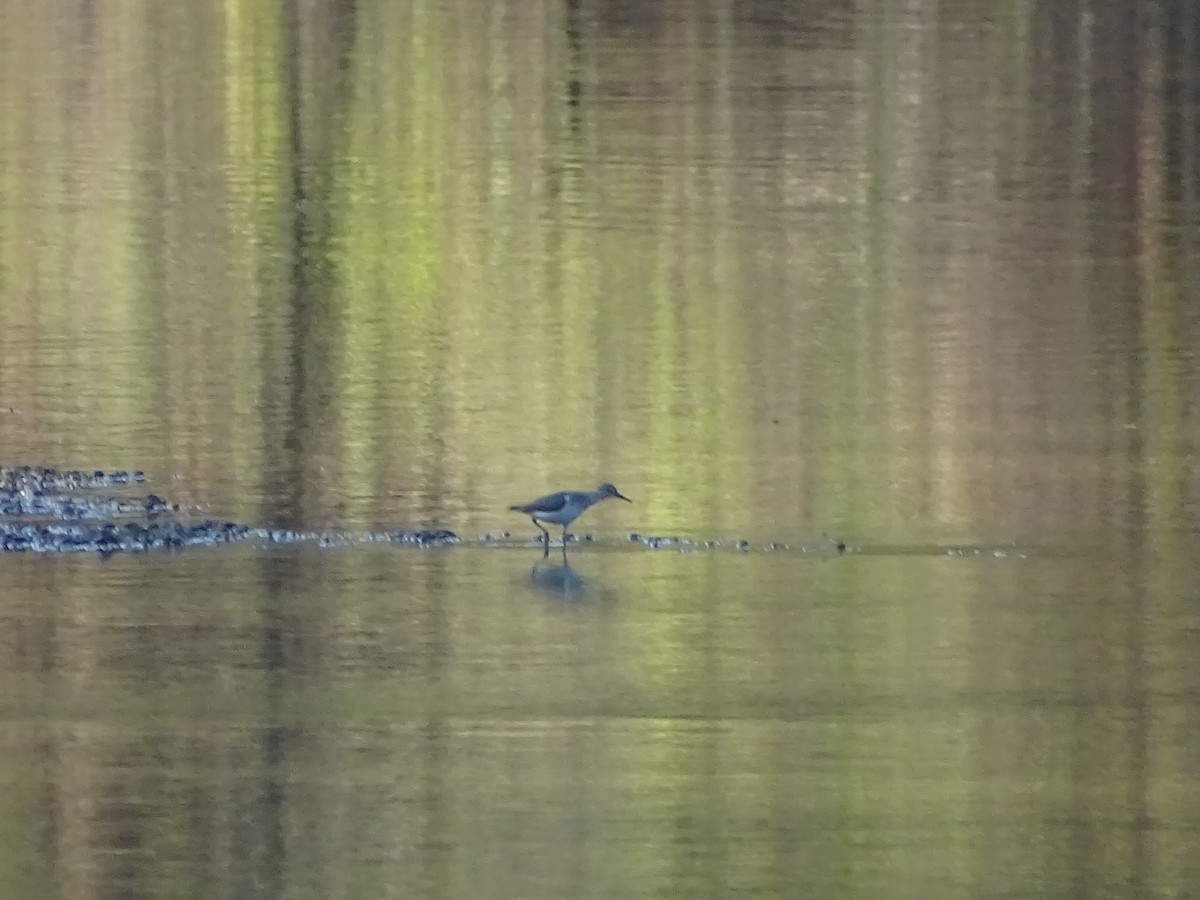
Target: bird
<point>564,507</point>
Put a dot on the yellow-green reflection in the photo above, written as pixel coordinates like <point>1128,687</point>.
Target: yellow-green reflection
<point>383,263</point>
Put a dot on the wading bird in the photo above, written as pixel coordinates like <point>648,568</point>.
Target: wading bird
<point>565,507</point>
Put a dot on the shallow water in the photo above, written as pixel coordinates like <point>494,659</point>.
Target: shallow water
<point>919,281</point>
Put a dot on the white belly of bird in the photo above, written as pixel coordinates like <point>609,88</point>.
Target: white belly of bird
<point>569,511</point>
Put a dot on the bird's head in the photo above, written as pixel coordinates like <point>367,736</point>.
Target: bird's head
<point>609,490</point>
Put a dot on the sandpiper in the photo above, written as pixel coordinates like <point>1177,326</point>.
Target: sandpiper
<point>565,507</point>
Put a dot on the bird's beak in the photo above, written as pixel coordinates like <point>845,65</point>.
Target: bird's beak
<point>623,497</point>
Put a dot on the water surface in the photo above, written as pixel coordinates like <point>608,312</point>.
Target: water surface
<point>921,280</point>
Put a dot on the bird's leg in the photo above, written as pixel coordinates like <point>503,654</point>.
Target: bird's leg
<point>544,532</point>
<point>564,539</point>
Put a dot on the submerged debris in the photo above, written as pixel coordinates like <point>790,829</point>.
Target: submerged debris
<point>19,478</point>
<point>110,538</point>
<point>659,541</point>
<point>423,538</point>
<point>44,510</point>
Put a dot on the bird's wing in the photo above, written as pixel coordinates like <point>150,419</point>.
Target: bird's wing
<point>548,504</point>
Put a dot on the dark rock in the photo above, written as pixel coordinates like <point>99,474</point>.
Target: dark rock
<point>423,538</point>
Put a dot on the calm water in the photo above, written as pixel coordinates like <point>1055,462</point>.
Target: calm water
<point>923,279</point>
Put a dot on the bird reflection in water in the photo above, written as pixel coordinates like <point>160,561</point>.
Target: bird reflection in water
<point>559,579</point>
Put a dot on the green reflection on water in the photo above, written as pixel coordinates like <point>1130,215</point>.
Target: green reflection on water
<point>371,267</point>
